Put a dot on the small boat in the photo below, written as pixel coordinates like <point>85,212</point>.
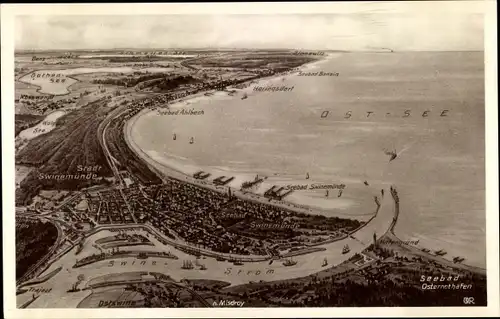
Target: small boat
<point>393,155</point>
<point>187,264</point>
<point>203,267</point>
<point>245,96</point>
<point>346,249</point>
<point>425,250</point>
<point>175,137</point>
<point>289,262</point>
<point>325,263</point>
<point>307,175</point>
<point>366,183</point>
<point>220,259</point>
<point>191,141</point>
<point>237,263</point>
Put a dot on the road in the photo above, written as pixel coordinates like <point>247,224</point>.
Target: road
<point>101,134</point>
<point>180,245</point>
<point>223,271</point>
<point>117,112</point>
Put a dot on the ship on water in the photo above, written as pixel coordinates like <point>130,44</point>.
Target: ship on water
<point>203,267</point>
<point>245,96</point>
<point>142,256</point>
<point>252,184</point>
<point>325,263</point>
<point>393,155</point>
<point>440,252</point>
<point>191,141</point>
<point>187,264</point>
<point>201,175</point>
<point>237,263</point>
<point>458,259</point>
<point>289,262</point>
<point>346,249</point>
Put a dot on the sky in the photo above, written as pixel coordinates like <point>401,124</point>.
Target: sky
<point>402,26</point>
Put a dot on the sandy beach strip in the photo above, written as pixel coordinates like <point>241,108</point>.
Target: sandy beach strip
<point>311,203</point>
<point>263,81</point>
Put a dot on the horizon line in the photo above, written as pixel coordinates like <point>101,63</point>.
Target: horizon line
<point>243,49</point>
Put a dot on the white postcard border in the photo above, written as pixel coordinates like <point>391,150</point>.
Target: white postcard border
<point>8,12</point>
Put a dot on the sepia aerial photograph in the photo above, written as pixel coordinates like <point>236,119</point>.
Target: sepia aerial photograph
<point>242,160</point>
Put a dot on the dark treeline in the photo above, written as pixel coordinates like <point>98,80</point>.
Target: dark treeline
<point>129,81</point>
<point>128,159</point>
<point>33,241</point>
<point>24,121</point>
<point>160,80</point>
<point>384,292</point>
<point>172,83</point>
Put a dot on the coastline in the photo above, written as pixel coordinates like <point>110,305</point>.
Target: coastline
<point>395,240</point>
<point>183,169</point>
<point>249,85</point>
<point>305,201</point>
<point>170,170</point>
<point>310,262</point>
<point>309,265</point>
<point>164,172</point>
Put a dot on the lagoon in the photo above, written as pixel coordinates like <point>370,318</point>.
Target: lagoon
<point>59,81</point>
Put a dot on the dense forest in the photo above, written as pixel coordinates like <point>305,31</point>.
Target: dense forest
<point>33,241</point>
<point>130,81</point>
<point>73,142</point>
<point>128,159</point>
<point>24,121</point>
